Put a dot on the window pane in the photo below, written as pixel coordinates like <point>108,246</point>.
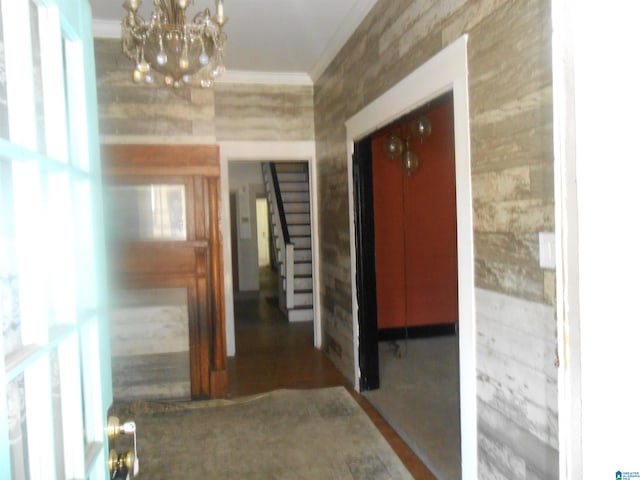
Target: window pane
<point>60,268</point>
<point>18,439</point>
<point>147,212</point>
<point>38,94</point>
<point>4,111</point>
<point>76,108</point>
<point>83,244</point>
<point>9,292</point>
<point>56,398</point>
<point>150,344</point>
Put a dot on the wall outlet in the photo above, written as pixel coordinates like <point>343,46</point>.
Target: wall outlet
<point>547,248</point>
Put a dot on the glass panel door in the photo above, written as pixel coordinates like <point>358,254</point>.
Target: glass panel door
<point>55,383</point>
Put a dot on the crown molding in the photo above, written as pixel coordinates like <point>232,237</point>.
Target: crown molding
<point>265,78</point>
<point>341,35</point>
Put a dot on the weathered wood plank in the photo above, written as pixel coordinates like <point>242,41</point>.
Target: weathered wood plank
<point>530,318</point>
<point>540,459</point>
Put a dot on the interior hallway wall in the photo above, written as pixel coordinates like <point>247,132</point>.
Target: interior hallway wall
<point>509,55</point>
<point>245,178</point>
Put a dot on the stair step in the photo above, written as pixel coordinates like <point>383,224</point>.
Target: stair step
<point>302,254</point>
<point>300,314</point>
<point>303,299</point>
<point>291,167</point>
<point>296,207</point>
<point>294,218</point>
<point>302,241</point>
<point>294,187</point>
<point>298,218</point>
<point>302,268</point>
<point>295,196</point>
<point>292,177</point>
<point>299,230</point>
<point>304,282</point>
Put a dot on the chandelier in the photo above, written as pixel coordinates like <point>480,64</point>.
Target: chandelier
<point>172,50</point>
<point>396,144</point>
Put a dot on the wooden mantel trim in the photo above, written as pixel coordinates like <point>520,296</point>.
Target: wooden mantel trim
<point>149,160</point>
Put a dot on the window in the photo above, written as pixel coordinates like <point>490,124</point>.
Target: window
<point>55,384</point>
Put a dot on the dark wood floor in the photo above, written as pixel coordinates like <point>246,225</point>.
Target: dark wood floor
<point>272,353</point>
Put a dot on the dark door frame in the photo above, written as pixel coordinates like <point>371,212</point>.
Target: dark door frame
<point>365,265</point>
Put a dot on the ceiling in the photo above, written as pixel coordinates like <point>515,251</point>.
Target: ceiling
<point>288,41</point>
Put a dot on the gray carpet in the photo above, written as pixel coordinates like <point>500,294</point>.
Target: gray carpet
<point>286,434</point>
<point>419,396</point>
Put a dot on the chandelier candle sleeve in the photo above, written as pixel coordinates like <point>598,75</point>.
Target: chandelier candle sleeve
<point>168,49</point>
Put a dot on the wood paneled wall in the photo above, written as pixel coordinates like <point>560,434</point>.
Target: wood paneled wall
<point>509,53</point>
<point>264,112</point>
<point>127,110</point>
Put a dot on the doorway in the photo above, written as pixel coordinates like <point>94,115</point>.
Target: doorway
<point>410,330</point>
<point>445,71</point>
<point>237,153</point>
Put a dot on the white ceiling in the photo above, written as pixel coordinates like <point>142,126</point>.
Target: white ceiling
<point>285,40</point>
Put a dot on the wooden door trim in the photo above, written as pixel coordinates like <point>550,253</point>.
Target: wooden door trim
<point>196,261</point>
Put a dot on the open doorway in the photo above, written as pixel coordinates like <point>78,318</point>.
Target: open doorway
<point>405,185</point>
<point>271,343</point>
<point>445,71</point>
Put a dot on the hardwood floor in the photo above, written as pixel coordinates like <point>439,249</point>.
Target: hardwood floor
<point>272,353</point>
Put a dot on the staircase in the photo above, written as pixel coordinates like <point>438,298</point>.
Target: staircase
<point>287,187</point>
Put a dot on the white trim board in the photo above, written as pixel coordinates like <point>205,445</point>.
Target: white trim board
<point>237,151</point>
<point>446,71</point>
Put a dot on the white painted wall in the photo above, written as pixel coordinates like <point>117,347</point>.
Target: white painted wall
<point>245,179</point>
<point>597,69</point>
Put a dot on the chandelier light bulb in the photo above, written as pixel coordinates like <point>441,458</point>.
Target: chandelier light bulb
<point>410,162</point>
<point>203,58</point>
<point>184,60</point>
<point>138,76</point>
<point>421,127</point>
<point>392,146</point>
<point>161,58</point>
<point>148,79</point>
<point>143,66</point>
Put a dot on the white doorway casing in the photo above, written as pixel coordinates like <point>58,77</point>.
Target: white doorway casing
<point>446,71</point>
<point>266,151</point>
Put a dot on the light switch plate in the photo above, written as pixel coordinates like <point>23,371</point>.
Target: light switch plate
<point>547,246</point>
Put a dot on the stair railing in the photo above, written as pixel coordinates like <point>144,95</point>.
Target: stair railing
<point>283,242</point>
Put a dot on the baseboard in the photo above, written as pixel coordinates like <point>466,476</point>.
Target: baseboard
<point>424,331</point>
